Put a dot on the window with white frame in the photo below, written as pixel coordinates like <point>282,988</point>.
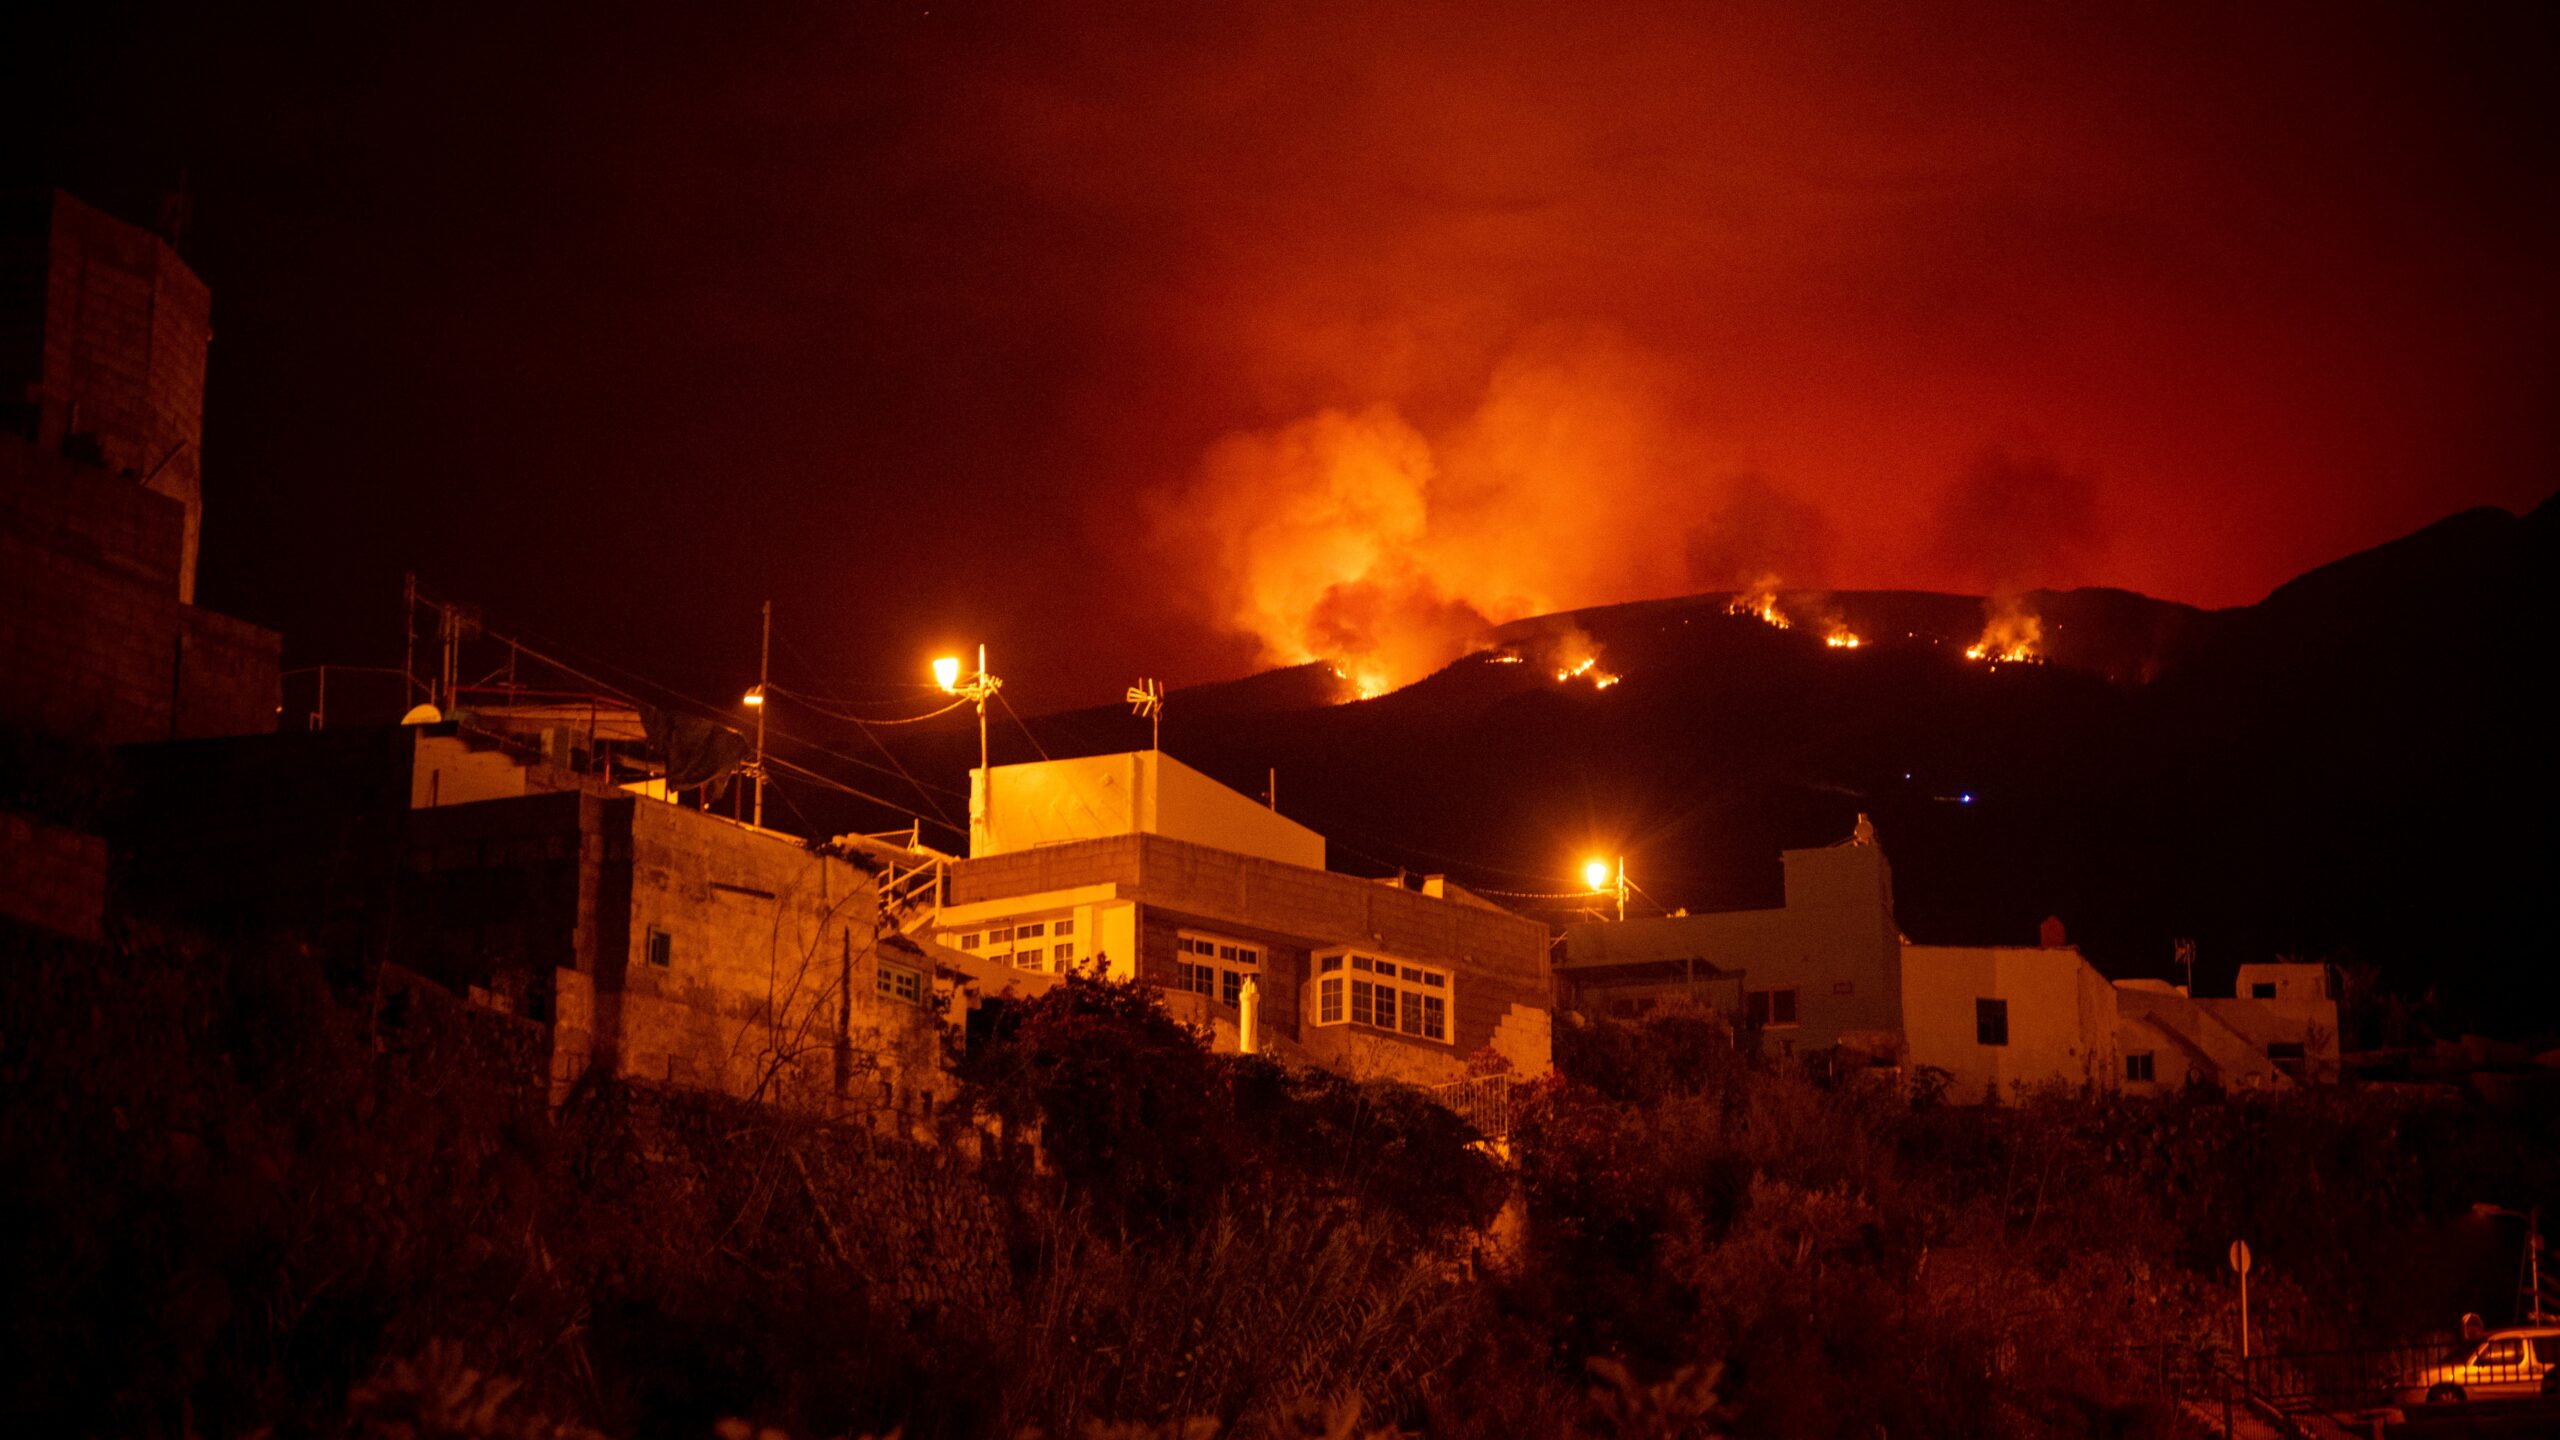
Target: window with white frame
<point>1023,944</point>
<point>1215,966</point>
<point>1383,993</point>
<point>900,982</point>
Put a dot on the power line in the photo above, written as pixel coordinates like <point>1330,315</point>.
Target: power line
<point>1018,725</point>
<point>808,703</point>
<point>721,715</point>
<point>715,713</point>
<point>831,783</point>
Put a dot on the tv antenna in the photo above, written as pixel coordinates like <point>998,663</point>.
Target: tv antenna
<point>1147,698</point>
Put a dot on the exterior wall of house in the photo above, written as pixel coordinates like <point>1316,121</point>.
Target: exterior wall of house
<point>1834,944</point>
<point>1057,802</point>
<point>1103,930</point>
<point>2271,1026</point>
<point>116,367</point>
<point>102,356</point>
<point>772,981</point>
<point>94,641</point>
<point>542,904</point>
<point>1497,962</point>
<point>2060,1014</point>
<point>1637,989</point>
<point>2189,1044</point>
<point>2282,980</point>
<point>451,771</point>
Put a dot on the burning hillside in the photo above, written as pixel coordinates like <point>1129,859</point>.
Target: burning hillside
<point>2012,633</point>
<point>1356,538</point>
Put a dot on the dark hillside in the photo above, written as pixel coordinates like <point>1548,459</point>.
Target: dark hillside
<point>2357,766</point>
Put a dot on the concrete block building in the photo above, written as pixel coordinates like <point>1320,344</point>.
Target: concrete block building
<point>658,943</point>
<point>1140,867</point>
<point>103,335</point>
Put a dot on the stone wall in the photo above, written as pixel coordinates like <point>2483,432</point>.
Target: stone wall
<point>52,877</point>
<point>767,982</point>
<point>117,376</point>
<point>94,641</point>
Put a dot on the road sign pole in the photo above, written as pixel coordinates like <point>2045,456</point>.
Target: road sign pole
<point>2240,1266</point>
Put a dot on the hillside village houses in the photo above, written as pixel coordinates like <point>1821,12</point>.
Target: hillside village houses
<point>1831,969</point>
<point>519,855</point>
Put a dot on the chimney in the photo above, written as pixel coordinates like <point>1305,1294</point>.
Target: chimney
<point>2049,934</point>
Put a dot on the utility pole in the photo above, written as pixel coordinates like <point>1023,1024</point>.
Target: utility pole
<point>2533,1312</point>
<point>449,627</point>
<point>978,688</point>
<point>1622,889</point>
<point>764,667</point>
<point>408,639</point>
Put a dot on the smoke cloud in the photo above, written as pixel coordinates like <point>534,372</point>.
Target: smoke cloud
<point>2012,521</point>
<point>1757,532</point>
<point>1355,538</point>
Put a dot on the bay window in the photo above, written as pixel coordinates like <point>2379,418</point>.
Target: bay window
<point>1382,993</point>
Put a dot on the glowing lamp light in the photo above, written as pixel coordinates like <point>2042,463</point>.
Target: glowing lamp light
<point>946,673</point>
<point>1595,873</point>
<point>755,696</point>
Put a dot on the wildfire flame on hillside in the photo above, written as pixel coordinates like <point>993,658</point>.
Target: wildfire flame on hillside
<point>1366,684</point>
<point>1587,668</point>
<point>1576,656</point>
<point>2011,634</point>
<point>1759,600</point>
<point>1361,540</point>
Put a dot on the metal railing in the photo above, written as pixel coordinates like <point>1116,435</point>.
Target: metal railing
<point>2373,1376</point>
<point>1483,1101</point>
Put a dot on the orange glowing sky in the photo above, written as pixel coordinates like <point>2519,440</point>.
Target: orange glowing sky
<point>1107,338</point>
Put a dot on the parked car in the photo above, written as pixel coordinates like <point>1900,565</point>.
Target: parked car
<point>2507,1363</point>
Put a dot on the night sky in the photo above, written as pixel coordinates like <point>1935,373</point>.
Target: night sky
<point>1183,338</point>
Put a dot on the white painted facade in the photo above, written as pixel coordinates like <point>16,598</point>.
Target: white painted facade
<point>1997,1018</point>
<point>1094,797</point>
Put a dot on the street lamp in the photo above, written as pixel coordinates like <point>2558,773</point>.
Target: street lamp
<point>976,689</point>
<point>1603,880</point>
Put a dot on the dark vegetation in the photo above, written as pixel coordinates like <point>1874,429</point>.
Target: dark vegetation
<point>239,1199</point>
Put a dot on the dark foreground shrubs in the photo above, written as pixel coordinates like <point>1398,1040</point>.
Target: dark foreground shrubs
<point>238,1201</point>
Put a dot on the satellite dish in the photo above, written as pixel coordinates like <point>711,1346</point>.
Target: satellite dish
<point>423,715</point>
